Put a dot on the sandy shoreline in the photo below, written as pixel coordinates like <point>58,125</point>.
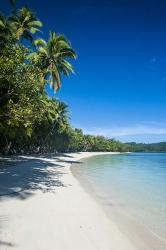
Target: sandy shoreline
<point>139,234</point>
<point>54,211</point>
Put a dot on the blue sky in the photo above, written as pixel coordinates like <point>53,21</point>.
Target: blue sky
<point>120,87</point>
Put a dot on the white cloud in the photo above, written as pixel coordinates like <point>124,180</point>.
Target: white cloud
<point>152,128</point>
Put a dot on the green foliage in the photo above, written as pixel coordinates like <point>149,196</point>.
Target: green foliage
<point>31,121</point>
<point>25,24</point>
<point>20,89</point>
<point>146,147</point>
<point>21,25</point>
<point>77,141</point>
<point>52,57</point>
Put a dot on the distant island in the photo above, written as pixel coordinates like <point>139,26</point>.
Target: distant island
<point>146,147</point>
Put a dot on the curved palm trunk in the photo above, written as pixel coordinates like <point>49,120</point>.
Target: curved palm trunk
<point>7,146</point>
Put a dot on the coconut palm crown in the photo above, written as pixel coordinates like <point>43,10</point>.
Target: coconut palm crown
<point>53,57</point>
<point>25,24</point>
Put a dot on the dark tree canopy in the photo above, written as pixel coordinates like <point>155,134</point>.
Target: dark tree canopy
<point>30,120</point>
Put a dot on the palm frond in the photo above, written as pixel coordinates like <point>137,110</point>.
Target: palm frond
<point>36,23</point>
<point>2,25</point>
<point>61,37</point>
<point>42,50</point>
<point>25,22</point>
<point>31,56</point>
<point>53,57</point>
<point>40,42</point>
<point>33,30</point>
<point>67,65</point>
<point>67,53</point>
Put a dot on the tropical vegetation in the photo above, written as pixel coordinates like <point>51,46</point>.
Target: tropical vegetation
<point>30,120</point>
<point>146,147</point>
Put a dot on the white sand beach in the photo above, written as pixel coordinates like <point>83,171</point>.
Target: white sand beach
<point>48,209</point>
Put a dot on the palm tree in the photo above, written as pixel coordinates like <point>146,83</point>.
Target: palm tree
<point>6,30</point>
<point>52,56</point>
<point>57,114</point>
<point>25,24</point>
<point>62,113</point>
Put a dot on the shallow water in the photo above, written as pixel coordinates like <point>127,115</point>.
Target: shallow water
<point>132,184</point>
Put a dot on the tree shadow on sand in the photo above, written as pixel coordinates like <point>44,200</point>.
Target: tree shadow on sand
<point>21,176</point>
<point>6,244</point>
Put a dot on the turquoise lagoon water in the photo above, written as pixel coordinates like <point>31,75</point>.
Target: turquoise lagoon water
<point>134,185</point>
